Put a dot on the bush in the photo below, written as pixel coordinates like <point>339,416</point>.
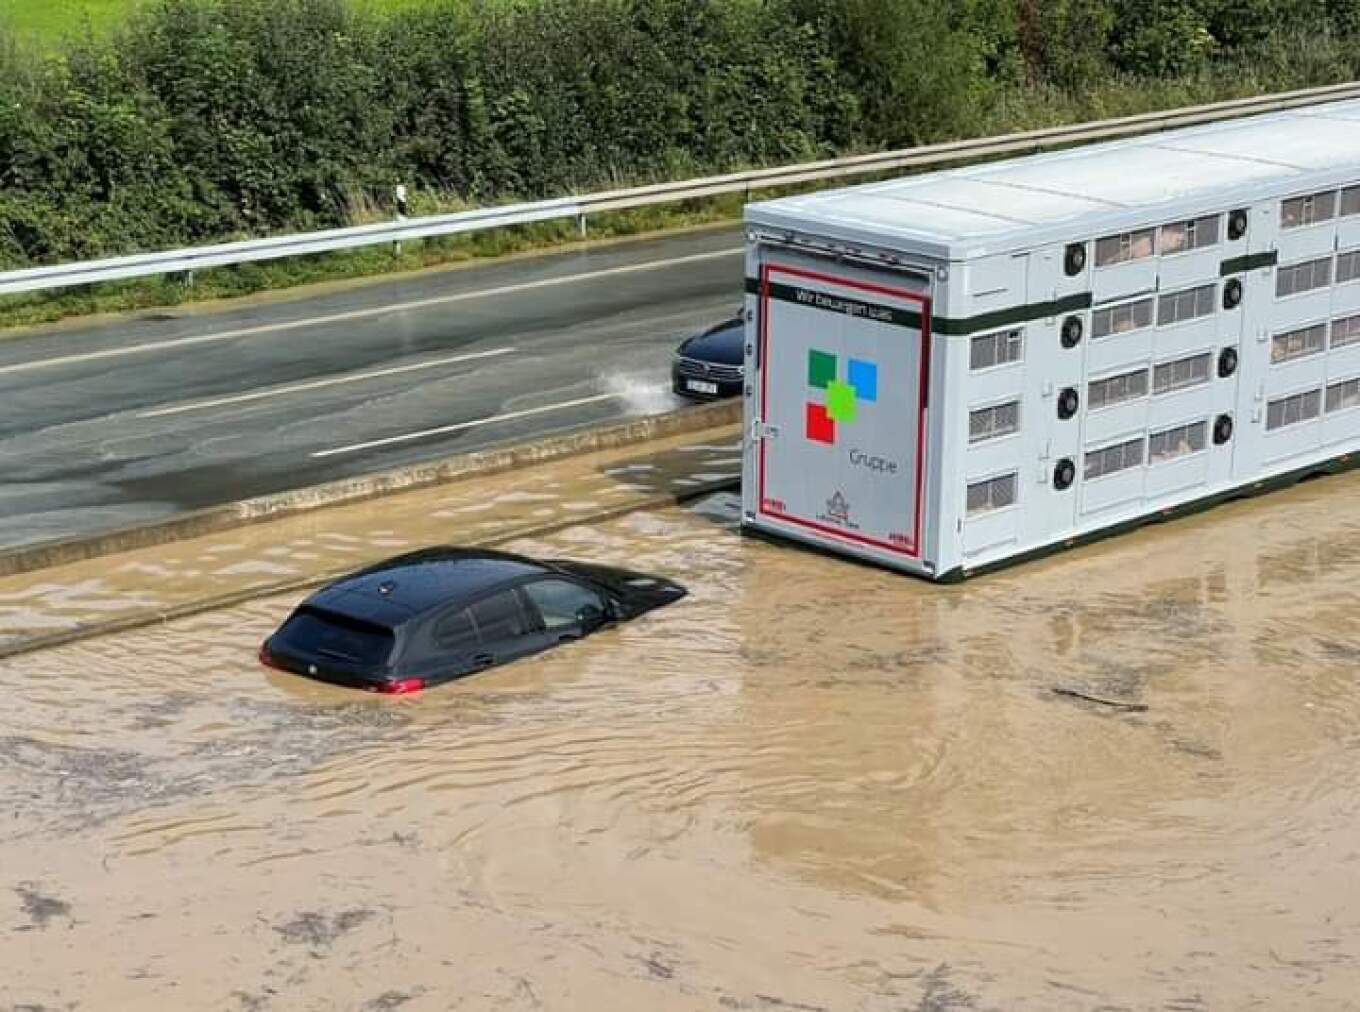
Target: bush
<point>205,120</point>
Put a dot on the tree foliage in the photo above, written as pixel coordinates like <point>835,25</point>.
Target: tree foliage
<point>212,119</point>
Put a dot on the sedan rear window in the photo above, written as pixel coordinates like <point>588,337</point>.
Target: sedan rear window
<point>326,635</point>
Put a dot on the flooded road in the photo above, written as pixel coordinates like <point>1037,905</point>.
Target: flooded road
<point>810,785</point>
<point>320,544</point>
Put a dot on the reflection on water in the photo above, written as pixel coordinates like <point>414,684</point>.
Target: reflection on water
<point>811,785</point>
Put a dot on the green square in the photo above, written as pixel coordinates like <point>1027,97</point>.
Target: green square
<point>821,369</point>
<point>840,401</point>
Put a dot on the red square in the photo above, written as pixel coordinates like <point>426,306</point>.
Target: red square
<point>821,427</point>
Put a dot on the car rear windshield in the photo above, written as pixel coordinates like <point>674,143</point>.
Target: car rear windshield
<point>328,636</point>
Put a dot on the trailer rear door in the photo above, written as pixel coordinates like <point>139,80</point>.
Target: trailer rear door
<point>843,361</point>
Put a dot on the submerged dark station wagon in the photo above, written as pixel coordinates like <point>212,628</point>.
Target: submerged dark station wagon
<point>441,613</point>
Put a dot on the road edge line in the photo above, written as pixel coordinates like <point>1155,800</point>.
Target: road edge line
<point>41,555</point>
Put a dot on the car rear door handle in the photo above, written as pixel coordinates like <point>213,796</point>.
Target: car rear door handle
<point>483,660</point>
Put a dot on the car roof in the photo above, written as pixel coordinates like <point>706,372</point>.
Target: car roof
<point>410,585</point>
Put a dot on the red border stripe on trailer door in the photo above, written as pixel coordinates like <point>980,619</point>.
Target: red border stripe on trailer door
<point>913,550</point>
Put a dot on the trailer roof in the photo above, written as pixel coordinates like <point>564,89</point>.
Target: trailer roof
<point>1025,202</point>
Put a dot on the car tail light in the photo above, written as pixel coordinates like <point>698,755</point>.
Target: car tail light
<point>266,658</point>
<point>401,687</point>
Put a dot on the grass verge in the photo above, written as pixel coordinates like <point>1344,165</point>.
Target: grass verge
<point>49,23</point>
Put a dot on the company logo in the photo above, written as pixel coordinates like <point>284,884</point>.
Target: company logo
<point>841,399</point>
<point>838,513</point>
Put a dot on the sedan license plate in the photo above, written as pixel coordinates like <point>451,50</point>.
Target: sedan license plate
<point>701,386</point>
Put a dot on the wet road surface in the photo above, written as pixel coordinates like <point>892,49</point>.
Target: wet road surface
<point>111,423</point>
<point>810,785</point>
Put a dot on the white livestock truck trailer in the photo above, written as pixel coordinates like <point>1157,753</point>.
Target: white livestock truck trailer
<point>953,371</point>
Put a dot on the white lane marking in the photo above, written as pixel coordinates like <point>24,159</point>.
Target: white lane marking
<point>446,429</point>
<point>260,395</point>
<point>359,314</point>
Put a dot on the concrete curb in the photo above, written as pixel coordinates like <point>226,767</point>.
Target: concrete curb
<point>162,616</point>
<point>215,519</point>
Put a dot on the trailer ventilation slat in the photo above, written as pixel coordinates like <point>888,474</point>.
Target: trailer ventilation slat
<point>996,349</point>
<point>1300,212</point>
<point>1181,441</point>
<point>1304,277</point>
<point>1348,267</point>
<point>1296,344</point>
<point>1294,409</point>
<point>1350,201</point>
<point>1344,395</point>
<point>1345,331</point>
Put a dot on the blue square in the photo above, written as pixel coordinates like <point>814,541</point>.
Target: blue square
<point>864,378</point>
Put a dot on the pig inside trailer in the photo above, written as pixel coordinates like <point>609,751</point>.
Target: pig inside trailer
<point>959,370</point>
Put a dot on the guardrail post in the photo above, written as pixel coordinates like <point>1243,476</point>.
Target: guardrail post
<point>402,208</point>
<point>581,222</point>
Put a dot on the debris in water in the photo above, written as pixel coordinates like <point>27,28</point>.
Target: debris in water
<point>1118,704</point>
<point>40,908</point>
<point>318,931</point>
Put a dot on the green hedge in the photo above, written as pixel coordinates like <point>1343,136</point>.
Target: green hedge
<point>213,119</point>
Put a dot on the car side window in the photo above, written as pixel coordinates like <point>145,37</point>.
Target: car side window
<point>560,601</point>
<point>499,617</point>
<point>456,631</point>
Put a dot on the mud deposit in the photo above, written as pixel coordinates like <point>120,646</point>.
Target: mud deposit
<point>809,786</point>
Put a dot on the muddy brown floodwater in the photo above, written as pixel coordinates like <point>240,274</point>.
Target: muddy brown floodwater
<point>811,785</point>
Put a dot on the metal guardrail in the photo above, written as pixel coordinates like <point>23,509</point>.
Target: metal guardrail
<point>201,257</point>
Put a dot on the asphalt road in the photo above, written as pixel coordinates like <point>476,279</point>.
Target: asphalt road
<point>120,422</point>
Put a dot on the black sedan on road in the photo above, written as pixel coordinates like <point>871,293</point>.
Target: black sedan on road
<point>711,364</point>
<point>441,613</point>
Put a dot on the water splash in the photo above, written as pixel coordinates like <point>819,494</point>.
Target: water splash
<point>641,393</point>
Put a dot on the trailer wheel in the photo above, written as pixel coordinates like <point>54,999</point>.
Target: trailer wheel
<point>1232,294</point>
<point>1074,260</point>
<point>1064,474</point>
<point>1071,332</point>
<point>1237,224</point>
<point>1069,401</point>
<point>1227,362</point>
<point>1223,429</point>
